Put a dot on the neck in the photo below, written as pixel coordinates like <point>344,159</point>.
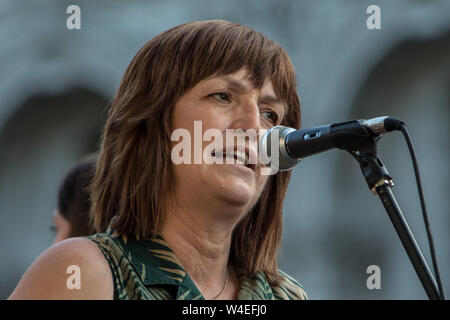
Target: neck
<point>201,240</point>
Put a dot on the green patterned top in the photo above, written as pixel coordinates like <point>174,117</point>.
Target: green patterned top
<point>149,270</point>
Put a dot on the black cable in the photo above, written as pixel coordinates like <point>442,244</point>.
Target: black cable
<point>424,209</point>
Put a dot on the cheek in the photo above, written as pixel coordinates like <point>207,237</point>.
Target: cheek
<point>262,181</point>
<point>64,227</point>
<point>63,232</point>
<point>191,176</point>
<point>188,110</point>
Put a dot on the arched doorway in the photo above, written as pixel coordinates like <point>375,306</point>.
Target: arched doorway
<point>411,83</point>
<point>39,143</point>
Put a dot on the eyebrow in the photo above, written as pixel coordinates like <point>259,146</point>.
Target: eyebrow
<point>236,84</point>
<point>239,86</point>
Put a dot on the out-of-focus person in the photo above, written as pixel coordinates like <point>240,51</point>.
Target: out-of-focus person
<point>71,218</point>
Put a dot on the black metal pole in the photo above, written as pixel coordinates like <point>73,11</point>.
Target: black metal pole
<point>363,147</point>
<point>408,241</point>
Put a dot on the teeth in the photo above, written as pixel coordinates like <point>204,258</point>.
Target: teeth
<point>239,156</point>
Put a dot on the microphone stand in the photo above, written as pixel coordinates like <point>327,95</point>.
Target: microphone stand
<point>380,182</point>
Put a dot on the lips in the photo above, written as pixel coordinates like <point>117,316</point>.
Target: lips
<point>242,156</point>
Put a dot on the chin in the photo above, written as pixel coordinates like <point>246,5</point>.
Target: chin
<point>237,193</point>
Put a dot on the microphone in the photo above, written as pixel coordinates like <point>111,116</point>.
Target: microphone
<point>292,145</point>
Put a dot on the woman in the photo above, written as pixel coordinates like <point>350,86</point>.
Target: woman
<point>186,231</point>
<point>71,218</point>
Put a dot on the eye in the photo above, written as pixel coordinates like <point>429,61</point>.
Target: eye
<point>222,97</point>
<point>272,116</point>
<point>53,229</point>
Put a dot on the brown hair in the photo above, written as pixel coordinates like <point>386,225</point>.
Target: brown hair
<point>134,171</point>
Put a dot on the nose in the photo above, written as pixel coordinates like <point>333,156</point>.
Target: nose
<point>246,116</point>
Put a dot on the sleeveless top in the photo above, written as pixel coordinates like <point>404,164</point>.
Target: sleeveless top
<point>147,269</point>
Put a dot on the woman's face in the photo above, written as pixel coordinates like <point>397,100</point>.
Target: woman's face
<point>61,226</point>
<point>227,102</point>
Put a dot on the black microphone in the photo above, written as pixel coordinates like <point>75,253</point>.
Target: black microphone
<point>293,145</point>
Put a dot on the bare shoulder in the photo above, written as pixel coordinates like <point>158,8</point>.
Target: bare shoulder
<point>71,269</point>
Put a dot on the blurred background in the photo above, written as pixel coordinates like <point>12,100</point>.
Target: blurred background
<point>56,84</point>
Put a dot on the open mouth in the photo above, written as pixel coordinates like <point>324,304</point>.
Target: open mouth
<point>237,156</point>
